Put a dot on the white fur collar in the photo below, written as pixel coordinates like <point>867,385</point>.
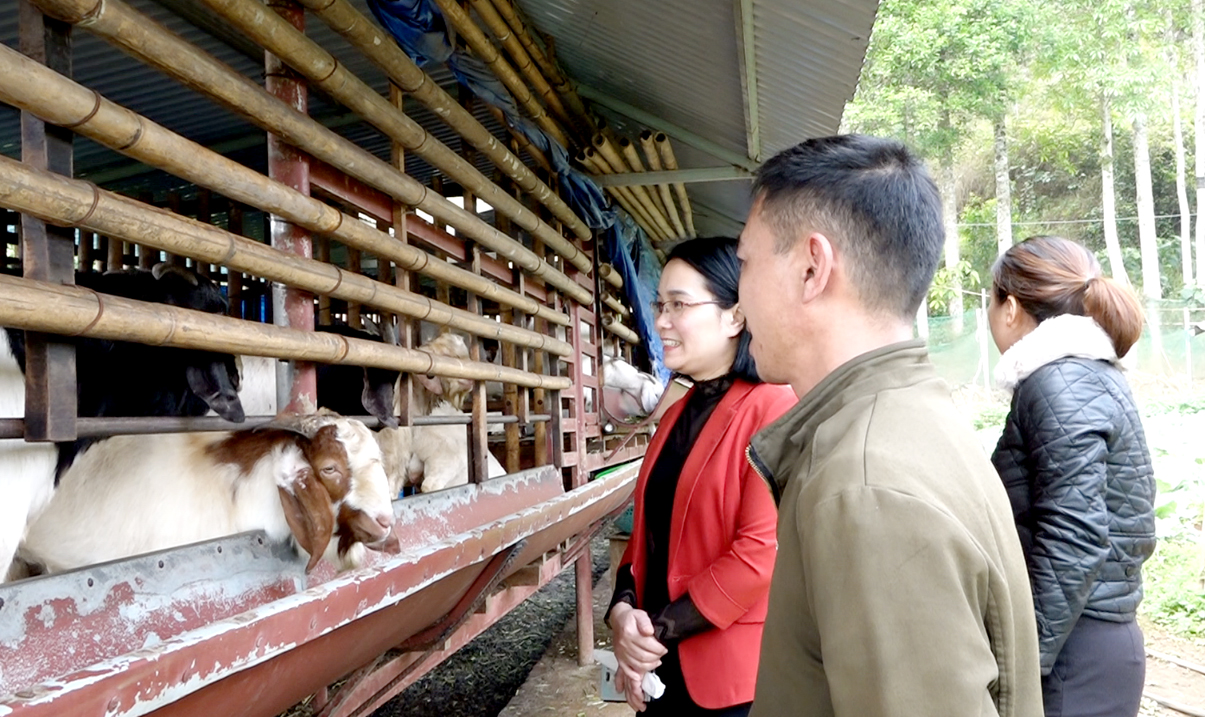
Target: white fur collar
<point>1059,337</point>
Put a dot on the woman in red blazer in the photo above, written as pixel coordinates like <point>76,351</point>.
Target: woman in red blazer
<point>691,590</point>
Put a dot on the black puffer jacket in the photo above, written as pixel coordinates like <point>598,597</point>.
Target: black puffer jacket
<point>1074,460</point>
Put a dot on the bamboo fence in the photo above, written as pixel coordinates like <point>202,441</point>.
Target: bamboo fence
<point>33,87</point>
<point>139,36</point>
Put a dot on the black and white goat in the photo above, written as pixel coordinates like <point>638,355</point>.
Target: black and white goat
<point>113,379</point>
<point>315,478</point>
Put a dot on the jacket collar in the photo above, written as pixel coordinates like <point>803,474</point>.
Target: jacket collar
<point>1063,336</point>
<point>776,448</point>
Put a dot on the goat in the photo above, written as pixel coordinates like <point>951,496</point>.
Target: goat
<point>347,390</point>
<point>628,393</point>
<point>439,456</point>
<point>113,379</point>
<point>312,478</point>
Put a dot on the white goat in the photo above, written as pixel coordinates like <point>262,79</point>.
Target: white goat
<point>628,393</point>
<point>440,454</point>
<point>314,477</point>
<point>26,469</point>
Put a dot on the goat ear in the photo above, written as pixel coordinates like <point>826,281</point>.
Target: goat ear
<point>216,387</point>
<point>307,508</point>
<point>162,268</point>
<point>377,396</point>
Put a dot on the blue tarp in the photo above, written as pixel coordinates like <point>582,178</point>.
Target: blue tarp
<point>418,27</point>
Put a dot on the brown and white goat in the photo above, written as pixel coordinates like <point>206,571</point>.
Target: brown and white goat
<point>313,478</point>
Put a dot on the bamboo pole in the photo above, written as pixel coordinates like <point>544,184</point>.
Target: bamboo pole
<point>57,99</point>
<point>258,22</point>
<point>611,156</point>
<point>364,35</point>
<point>671,164</point>
<point>628,151</point>
<point>522,59</point>
<point>592,161</point>
<point>536,155</point>
<point>613,325</point>
<point>548,66</point>
<point>608,272</point>
<point>459,18</point>
<point>615,305</point>
<point>76,311</point>
<point>654,159</point>
<point>141,37</point>
<point>75,203</point>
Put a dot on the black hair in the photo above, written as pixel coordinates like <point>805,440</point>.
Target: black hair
<point>874,200</point>
<point>715,258</point>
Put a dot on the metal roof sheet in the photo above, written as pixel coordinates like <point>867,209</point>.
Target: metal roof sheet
<point>678,60</point>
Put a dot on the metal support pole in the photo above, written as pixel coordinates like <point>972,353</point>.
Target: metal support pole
<point>296,383</point>
<point>48,252</point>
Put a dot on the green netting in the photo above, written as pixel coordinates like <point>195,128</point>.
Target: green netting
<point>1171,351</point>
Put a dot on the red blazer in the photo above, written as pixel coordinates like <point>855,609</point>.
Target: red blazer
<point>721,541</point>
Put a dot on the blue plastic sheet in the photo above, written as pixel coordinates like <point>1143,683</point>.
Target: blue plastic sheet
<point>418,27</point>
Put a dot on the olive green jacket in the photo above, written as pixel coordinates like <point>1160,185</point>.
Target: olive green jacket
<point>900,588</point>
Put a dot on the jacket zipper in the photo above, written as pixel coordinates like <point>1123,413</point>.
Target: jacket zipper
<point>761,471</point>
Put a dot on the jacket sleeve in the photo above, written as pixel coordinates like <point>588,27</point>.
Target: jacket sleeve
<point>1064,414</point>
<point>738,578</point>
<point>895,587</point>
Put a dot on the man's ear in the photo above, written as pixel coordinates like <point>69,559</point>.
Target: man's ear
<point>815,261</point>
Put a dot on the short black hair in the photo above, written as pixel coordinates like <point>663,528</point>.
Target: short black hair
<point>715,258</point>
<point>874,199</point>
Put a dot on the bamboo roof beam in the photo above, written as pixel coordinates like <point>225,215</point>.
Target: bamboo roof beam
<point>33,87</point>
<point>653,155</point>
<point>260,23</point>
<point>615,305</point>
<point>76,311</point>
<point>537,155</point>
<point>138,35</point>
<point>622,195</point>
<point>76,203</point>
<point>611,156</point>
<point>522,59</point>
<point>547,65</point>
<point>667,209</point>
<point>481,45</point>
<point>370,40</point>
<point>671,164</point>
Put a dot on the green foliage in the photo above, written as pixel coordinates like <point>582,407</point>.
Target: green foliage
<point>946,282</point>
<point>1171,580</point>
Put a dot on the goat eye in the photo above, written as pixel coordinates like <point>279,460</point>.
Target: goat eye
<point>329,470</point>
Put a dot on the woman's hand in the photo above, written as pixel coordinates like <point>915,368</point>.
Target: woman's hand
<point>631,690</point>
<point>635,647</point>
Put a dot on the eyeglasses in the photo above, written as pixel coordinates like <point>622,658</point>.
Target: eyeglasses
<point>673,308</point>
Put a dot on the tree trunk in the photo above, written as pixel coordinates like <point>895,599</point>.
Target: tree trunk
<point>1182,187</point>
<point>1004,196</point>
<point>1148,242</point>
<point>1107,199</point>
<point>1198,51</point>
<point>950,219</point>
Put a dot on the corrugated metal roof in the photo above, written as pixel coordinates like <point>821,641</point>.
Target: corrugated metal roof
<point>676,59</point>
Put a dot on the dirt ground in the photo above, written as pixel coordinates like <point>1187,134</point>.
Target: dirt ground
<point>558,686</point>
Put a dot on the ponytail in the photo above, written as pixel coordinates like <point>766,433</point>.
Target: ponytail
<point>1116,309</point>
<point>1050,276</point>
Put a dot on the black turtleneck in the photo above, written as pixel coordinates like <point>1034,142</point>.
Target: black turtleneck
<point>671,621</point>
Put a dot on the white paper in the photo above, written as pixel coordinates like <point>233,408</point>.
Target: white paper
<point>651,684</point>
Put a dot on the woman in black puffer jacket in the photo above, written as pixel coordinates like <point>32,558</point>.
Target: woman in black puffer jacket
<point>1074,460</point>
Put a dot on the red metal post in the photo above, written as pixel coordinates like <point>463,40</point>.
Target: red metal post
<point>47,252</point>
<point>286,164</point>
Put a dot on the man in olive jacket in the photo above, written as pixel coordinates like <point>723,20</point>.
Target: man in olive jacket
<point>900,587</point>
